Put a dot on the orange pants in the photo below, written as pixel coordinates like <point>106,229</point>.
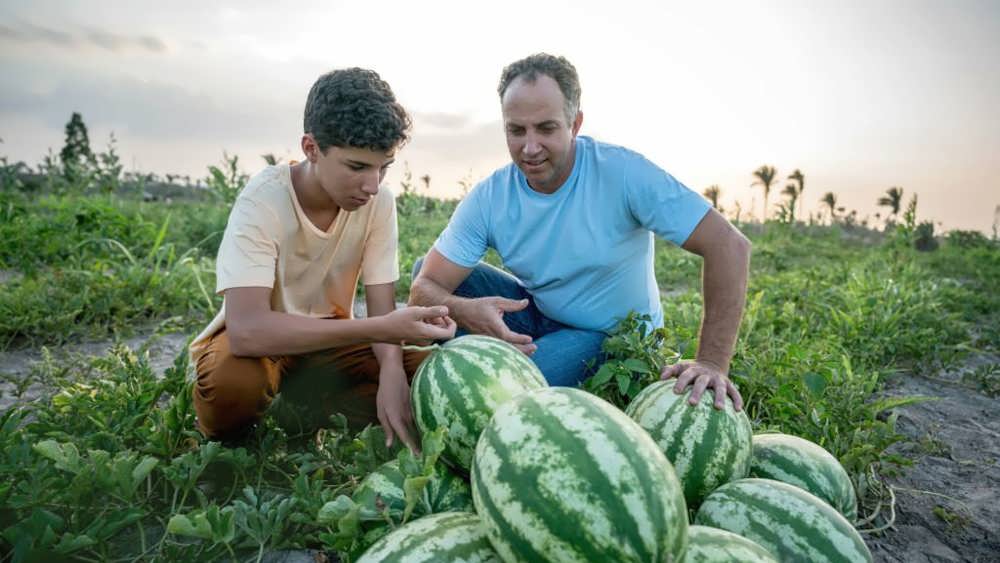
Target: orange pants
<point>233,392</point>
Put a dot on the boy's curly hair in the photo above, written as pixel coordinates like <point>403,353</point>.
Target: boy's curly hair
<point>354,107</point>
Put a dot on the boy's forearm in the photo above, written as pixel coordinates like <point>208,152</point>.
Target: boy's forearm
<point>272,333</point>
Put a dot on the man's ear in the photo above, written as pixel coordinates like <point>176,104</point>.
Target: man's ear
<point>577,122</point>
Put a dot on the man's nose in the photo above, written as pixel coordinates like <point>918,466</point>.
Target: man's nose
<point>531,145</point>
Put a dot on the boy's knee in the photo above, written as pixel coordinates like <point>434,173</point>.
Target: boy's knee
<point>230,400</point>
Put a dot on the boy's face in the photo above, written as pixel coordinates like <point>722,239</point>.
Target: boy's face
<point>350,176</point>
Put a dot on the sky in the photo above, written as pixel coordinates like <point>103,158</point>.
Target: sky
<point>858,95</point>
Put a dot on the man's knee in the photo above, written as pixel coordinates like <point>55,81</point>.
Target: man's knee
<point>416,267</point>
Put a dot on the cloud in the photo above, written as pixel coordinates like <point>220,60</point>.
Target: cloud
<point>28,33</point>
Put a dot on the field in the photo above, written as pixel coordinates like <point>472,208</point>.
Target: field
<point>887,356</point>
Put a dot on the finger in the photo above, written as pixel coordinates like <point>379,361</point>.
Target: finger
<point>734,393</point>
<point>511,304</point>
<point>698,388</point>
<point>389,437</point>
<point>432,312</point>
<point>513,337</point>
<point>528,349</point>
<point>684,379</point>
<point>671,371</point>
<point>405,436</point>
<point>720,389</point>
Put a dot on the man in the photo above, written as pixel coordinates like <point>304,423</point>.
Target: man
<point>298,240</point>
<point>573,220</point>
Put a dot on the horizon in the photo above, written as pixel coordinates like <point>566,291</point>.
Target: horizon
<point>859,96</point>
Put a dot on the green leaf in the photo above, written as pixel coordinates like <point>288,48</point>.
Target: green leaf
<point>636,365</point>
<point>603,375</point>
<point>181,525</point>
<point>432,444</point>
<point>623,381</point>
<point>816,383</point>
<point>333,511</point>
<point>413,488</point>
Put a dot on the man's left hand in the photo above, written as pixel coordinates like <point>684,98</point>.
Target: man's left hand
<point>701,375</point>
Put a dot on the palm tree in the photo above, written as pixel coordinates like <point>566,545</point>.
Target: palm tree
<point>831,201</point>
<point>765,177</point>
<point>712,193</point>
<point>793,194</point>
<point>799,178</point>
<point>892,199</point>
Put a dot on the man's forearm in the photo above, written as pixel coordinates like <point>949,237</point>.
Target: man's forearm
<point>724,286</point>
<point>272,333</point>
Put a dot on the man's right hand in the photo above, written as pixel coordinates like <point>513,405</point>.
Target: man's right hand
<point>419,325</point>
<point>484,315</point>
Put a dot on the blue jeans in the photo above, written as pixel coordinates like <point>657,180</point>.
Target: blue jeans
<point>563,351</point>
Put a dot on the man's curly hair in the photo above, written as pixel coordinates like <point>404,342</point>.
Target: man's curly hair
<point>556,68</point>
<point>354,107</point>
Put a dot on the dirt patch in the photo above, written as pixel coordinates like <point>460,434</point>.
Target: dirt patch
<point>948,501</point>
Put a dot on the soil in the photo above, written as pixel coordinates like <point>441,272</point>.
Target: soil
<point>948,501</point>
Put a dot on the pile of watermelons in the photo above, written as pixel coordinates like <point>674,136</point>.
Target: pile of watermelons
<point>558,474</point>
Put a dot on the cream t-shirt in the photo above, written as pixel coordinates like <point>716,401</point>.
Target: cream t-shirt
<point>269,242</point>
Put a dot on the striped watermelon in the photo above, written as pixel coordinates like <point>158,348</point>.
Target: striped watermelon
<point>707,447</point>
<point>383,488</point>
<point>712,545</point>
<point>453,537</point>
<point>560,475</point>
<point>787,521</point>
<point>802,463</point>
<point>461,383</point>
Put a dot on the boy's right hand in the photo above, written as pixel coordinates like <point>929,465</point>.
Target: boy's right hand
<point>420,325</point>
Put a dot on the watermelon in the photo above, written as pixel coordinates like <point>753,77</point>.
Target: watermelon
<point>712,545</point>
<point>707,447</point>
<point>383,488</point>
<point>802,463</point>
<point>560,475</point>
<point>453,537</point>
<point>461,383</point>
<point>791,523</point>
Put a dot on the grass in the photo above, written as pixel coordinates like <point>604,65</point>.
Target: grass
<point>108,467</point>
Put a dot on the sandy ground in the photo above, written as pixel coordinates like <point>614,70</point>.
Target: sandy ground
<point>948,501</point>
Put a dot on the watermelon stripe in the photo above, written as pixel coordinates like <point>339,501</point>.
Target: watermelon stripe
<point>449,536</point>
<point>712,545</point>
<point>597,487</point>
<point>788,521</point>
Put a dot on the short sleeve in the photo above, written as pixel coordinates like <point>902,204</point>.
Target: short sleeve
<point>660,203</point>
<point>380,262</point>
<point>465,240</point>
<point>248,252</point>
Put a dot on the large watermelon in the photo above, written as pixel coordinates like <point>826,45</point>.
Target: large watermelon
<point>383,488</point>
<point>453,537</point>
<point>802,463</point>
<point>707,447</point>
<point>560,475</point>
<point>787,521</point>
<point>461,383</point>
<point>712,545</point>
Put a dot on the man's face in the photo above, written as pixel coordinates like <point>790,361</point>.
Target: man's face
<point>540,141</point>
<point>351,176</point>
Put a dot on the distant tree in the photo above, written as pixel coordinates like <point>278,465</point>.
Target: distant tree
<point>830,200</point>
<point>270,159</point>
<point>793,194</point>
<point>892,199</point>
<point>765,178</point>
<point>712,193</point>
<point>426,179</point>
<point>76,153</point>
<point>799,179</point>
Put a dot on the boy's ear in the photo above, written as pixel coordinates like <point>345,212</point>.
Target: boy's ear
<point>310,148</point>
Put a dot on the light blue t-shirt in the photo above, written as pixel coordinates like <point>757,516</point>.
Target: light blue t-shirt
<point>585,252</point>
